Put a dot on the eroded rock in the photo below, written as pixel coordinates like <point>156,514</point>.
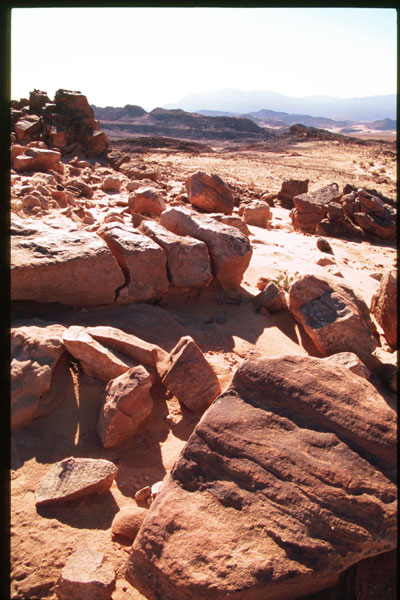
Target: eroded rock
<point>289,476</point>
<point>209,193</point>
<point>87,575</point>
<point>384,306</point>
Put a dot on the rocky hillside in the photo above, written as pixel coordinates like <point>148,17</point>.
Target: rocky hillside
<point>134,121</point>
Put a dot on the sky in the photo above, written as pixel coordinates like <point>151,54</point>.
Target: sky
<point>155,56</point>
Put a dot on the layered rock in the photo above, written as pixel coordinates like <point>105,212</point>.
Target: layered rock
<point>230,251</point>
<point>188,261</point>
<point>57,262</point>
<point>384,306</point>
<point>209,193</point>
<point>36,349</point>
<point>127,405</point>
<point>289,476</point>
<point>74,478</point>
<point>335,318</point>
<point>143,262</point>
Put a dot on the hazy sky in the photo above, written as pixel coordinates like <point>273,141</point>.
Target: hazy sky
<point>154,56</point>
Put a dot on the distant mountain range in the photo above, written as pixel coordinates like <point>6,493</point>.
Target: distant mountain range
<point>237,102</point>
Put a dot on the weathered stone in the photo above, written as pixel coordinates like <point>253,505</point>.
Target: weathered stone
<point>318,200</point>
<point>384,306</point>
<point>230,251</point>
<point>36,348</point>
<point>257,213</point>
<point>37,159</point>
<point>87,575</point>
<point>73,478</point>
<point>96,144</point>
<point>288,476</point>
<point>127,405</point>
<point>142,494</point>
<point>74,103</point>
<point>324,245</point>
<point>188,261</point>
<point>381,226</point>
<point>291,188</point>
<point>322,259</point>
<point>351,362</point>
<point>57,262</point>
<point>232,221</point>
<point>335,318</point>
<point>271,297</point>
<point>128,344</point>
<point>342,227</point>
<point>96,360</point>
<point>128,520</point>
<point>37,100</point>
<point>147,201</point>
<point>143,262</point>
<point>190,377</point>
<point>111,184</point>
<point>84,189</point>
<point>209,193</point>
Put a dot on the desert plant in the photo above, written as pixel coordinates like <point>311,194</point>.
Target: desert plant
<point>284,281</point>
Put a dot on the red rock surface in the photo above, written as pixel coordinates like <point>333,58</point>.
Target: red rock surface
<point>288,476</point>
<point>128,520</point>
<point>384,307</point>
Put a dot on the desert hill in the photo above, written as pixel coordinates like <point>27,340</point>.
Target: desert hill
<point>177,123</point>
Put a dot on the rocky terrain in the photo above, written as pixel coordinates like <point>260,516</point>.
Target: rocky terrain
<point>203,363</point>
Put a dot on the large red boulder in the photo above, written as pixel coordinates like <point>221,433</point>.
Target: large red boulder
<point>229,249</point>
<point>286,481</point>
<point>209,193</point>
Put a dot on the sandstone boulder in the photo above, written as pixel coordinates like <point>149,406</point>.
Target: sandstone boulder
<point>87,575</point>
<point>230,251</point>
<point>188,261</point>
<point>96,359</point>
<point>289,477</point>
<point>37,159</point>
<point>232,221</point>
<point>147,201</point>
<point>143,262</point>
<point>384,306</point>
<point>73,478</point>
<point>271,297</point>
<point>335,318</point>
<point>27,128</point>
<point>127,405</point>
<point>111,184</point>
<point>291,188</point>
<point>209,193</point>
<point>36,348</point>
<point>257,213</point>
<point>57,262</point>
<point>128,520</point>
<point>190,377</point>
<point>311,208</point>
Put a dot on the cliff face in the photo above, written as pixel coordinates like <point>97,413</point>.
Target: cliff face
<point>133,120</point>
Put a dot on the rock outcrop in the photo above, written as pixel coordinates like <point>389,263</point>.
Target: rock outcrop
<point>230,251</point>
<point>289,476</point>
<point>57,262</point>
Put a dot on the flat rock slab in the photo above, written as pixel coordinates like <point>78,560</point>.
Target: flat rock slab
<point>188,261</point>
<point>287,480</point>
<point>87,575</point>
<point>74,478</point>
<point>230,251</point>
<point>335,318</point>
<point>57,262</point>
<point>96,359</point>
<point>36,348</point>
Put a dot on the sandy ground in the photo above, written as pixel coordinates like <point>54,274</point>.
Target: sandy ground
<point>226,326</point>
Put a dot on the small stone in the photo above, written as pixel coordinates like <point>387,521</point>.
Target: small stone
<point>143,494</point>
<point>128,520</point>
<point>87,575</point>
